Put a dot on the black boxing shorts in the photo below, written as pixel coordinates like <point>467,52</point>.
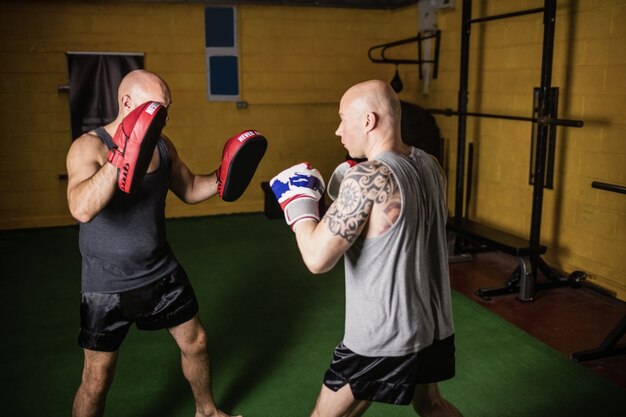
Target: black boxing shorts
<point>389,379</point>
<point>106,318</point>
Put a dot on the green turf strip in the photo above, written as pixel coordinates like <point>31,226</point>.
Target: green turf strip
<point>272,328</point>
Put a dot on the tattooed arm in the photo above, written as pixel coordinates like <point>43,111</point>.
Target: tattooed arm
<point>368,188</point>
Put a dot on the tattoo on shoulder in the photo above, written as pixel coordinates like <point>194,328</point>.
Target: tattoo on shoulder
<point>368,184</point>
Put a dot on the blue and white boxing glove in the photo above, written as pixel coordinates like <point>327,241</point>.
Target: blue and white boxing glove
<point>298,190</point>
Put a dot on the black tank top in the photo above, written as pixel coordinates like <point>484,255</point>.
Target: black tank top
<point>125,246</point>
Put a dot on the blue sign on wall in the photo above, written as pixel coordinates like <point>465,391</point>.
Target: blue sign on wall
<point>222,55</point>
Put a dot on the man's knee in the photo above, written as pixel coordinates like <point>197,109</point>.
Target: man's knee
<point>199,343</point>
<point>193,341</point>
<point>98,372</point>
<point>96,382</point>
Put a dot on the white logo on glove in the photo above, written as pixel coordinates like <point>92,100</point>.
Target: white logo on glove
<point>152,107</point>
<point>247,135</point>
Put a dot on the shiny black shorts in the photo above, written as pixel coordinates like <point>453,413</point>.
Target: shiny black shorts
<point>106,318</point>
<point>390,379</point>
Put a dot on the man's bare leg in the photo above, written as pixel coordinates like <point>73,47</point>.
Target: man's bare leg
<point>428,402</point>
<point>192,341</point>
<point>98,372</point>
<point>339,404</point>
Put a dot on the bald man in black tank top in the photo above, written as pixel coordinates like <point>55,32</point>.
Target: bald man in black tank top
<point>129,273</point>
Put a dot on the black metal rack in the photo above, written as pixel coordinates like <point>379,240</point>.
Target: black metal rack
<point>608,187</point>
<point>609,346</point>
<point>528,251</point>
<point>382,48</point>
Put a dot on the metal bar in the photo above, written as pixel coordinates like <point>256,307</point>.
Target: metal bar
<point>419,54</point>
<point>551,146</point>
<point>507,15</point>
<point>402,61</point>
<point>609,187</point>
<point>404,41</point>
<point>593,354</point>
<point>470,173</point>
<point>419,38</point>
<point>436,65</point>
<point>462,106</point>
<point>549,20</point>
<point>388,45</point>
<point>608,347</point>
<point>614,335</point>
<point>544,120</point>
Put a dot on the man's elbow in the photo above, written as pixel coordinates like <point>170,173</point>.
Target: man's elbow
<point>82,216</point>
<point>316,270</point>
<point>318,266</point>
<point>78,209</point>
<point>191,199</point>
<point>183,195</point>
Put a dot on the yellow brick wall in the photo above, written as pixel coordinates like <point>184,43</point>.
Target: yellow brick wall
<point>584,228</point>
<point>295,64</point>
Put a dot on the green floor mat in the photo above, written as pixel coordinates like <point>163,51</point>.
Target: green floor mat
<point>272,328</point>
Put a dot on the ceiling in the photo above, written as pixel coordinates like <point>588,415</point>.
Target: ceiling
<point>358,4</point>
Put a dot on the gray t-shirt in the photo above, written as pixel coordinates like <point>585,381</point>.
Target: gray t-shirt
<point>397,284</point>
<point>125,246</point>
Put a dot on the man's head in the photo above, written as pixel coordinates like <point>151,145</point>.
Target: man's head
<point>140,86</point>
<point>369,111</point>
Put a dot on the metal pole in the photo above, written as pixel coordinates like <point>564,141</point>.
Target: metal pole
<point>507,15</point>
<point>544,112</point>
<point>608,187</point>
<point>436,63</point>
<point>549,121</point>
<point>462,106</point>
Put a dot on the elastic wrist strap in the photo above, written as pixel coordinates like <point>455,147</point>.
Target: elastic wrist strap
<point>115,157</point>
<point>302,208</point>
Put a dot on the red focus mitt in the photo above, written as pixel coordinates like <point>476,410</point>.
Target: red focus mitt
<point>136,138</point>
<point>240,158</point>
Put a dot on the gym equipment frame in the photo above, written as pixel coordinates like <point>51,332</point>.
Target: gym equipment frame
<point>609,346</point>
<point>523,280</point>
<point>382,59</point>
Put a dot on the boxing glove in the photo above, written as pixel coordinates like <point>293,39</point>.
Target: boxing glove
<point>298,190</point>
<point>337,177</point>
<point>240,158</point>
<point>135,140</point>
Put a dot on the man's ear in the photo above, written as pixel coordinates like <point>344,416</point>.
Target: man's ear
<point>371,121</point>
<point>127,104</point>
